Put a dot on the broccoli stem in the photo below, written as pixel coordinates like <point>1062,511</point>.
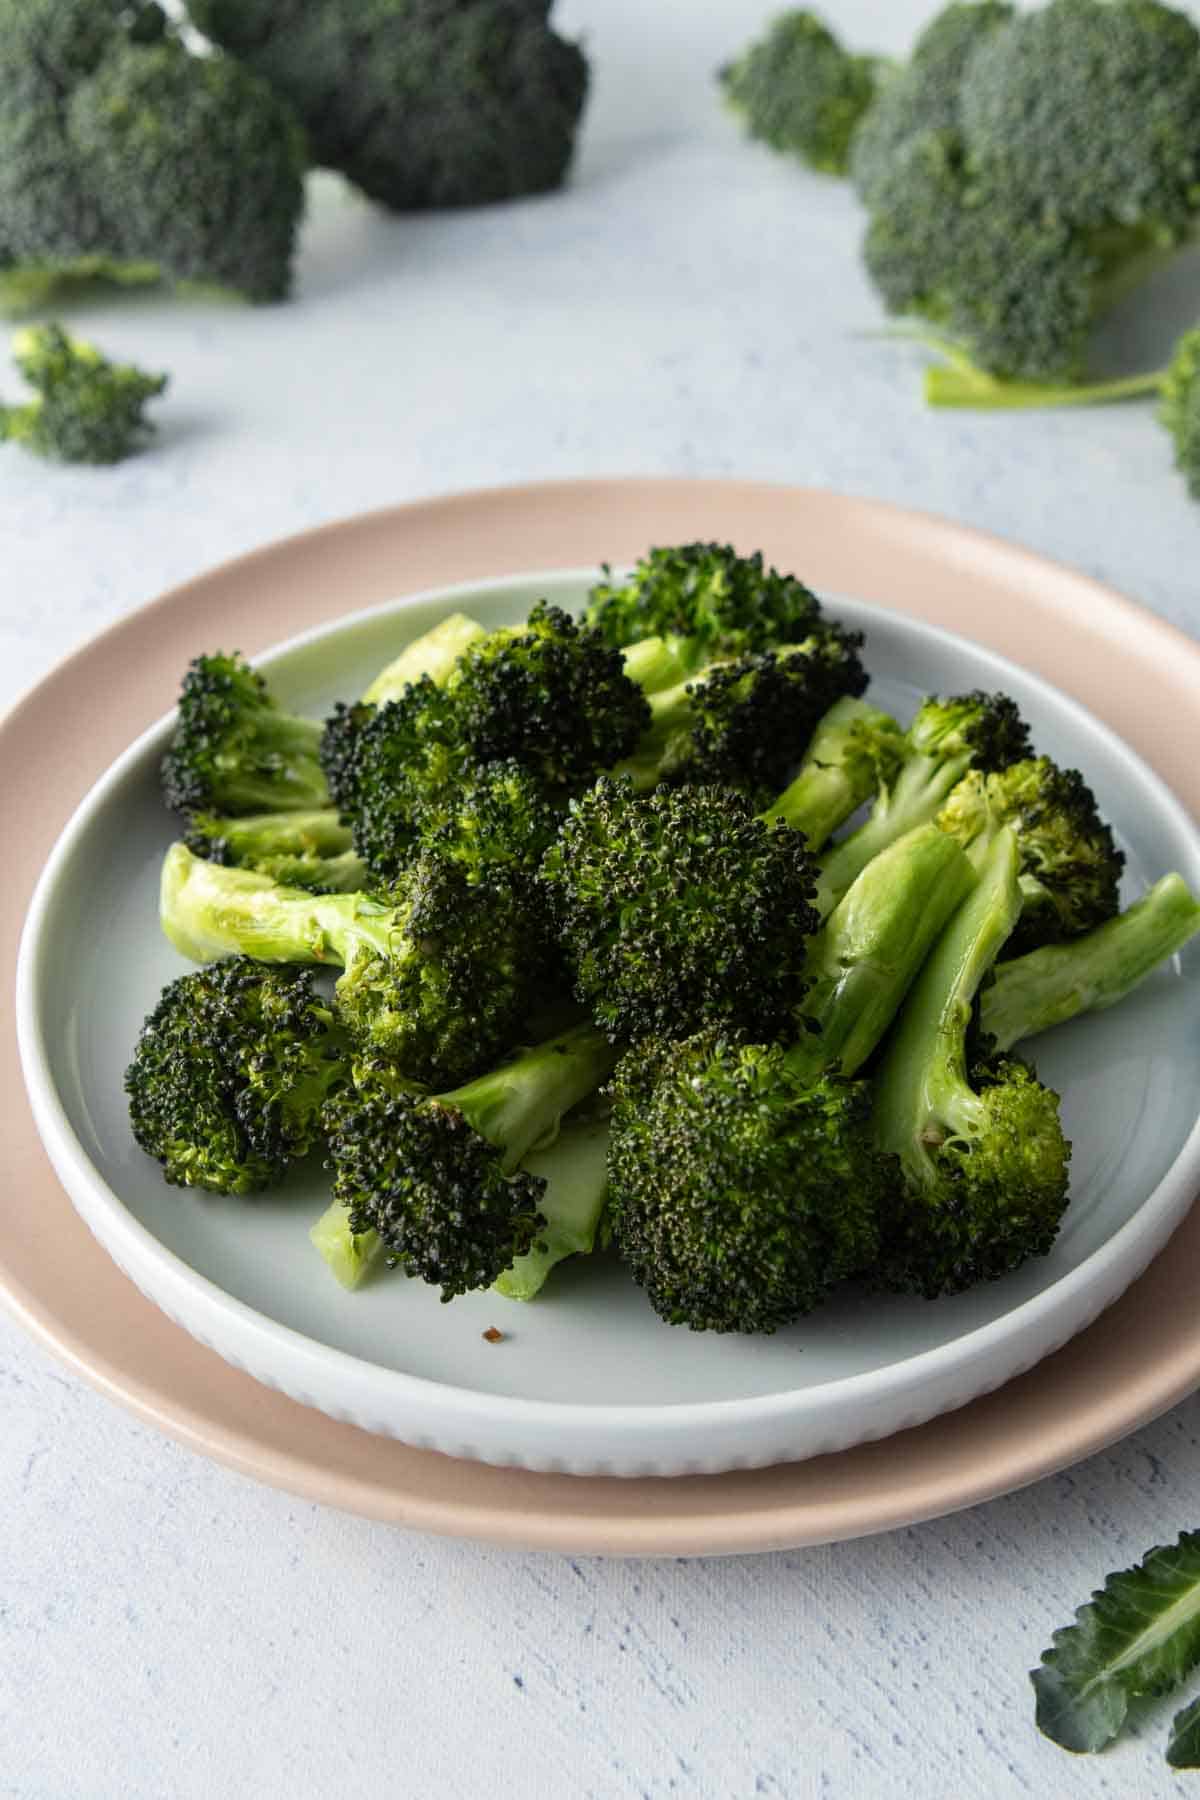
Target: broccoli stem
<point>871,948</point>
<point>915,797</point>
<point>658,662</point>
<point>517,1106</point>
<point>922,1095</point>
<point>350,1254</point>
<point>575,1170</point>
<point>961,384</point>
<point>435,654</point>
<point>846,761</point>
<point>1047,987</point>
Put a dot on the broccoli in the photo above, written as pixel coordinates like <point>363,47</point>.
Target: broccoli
<point>1053,160</point>
<point>706,603</point>
<point>801,92</point>
<point>745,1181</point>
<point>418,102</point>
<point>1070,866</point>
<point>124,155</point>
<point>441,975</point>
<point>87,409</point>
<point>946,739</point>
<point>297,849</point>
<point>680,909</point>
<point>230,1073</point>
<point>438,1176</point>
<point>1045,987</point>
<point>235,750</point>
<point>982,1156</point>
<point>855,750</point>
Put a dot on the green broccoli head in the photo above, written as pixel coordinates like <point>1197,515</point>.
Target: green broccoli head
<point>550,694</point>
<point>87,409</point>
<point>800,92</point>
<point>419,102</point>
<point>988,728</point>
<point>230,1073</point>
<point>724,604</point>
<point>498,817</point>
<point>412,1167</point>
<point>235,750</point>
<point>985,1184</point>
<point>1070,868</point>
<point>386,765</point>
<point>1180,409</point>
<point>680,909</point>
<point>740,1191</point>
<point>122,154</point>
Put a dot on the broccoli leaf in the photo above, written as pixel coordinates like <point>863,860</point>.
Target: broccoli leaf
<point>1183,1745</point>
<point>1139,1635</point>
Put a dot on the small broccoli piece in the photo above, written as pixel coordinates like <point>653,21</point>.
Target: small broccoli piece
<point>680,909</point>
<point>855,750</point>
<point>983,1160</point>
<point>418,102</point>
<point>87,409</point>
<point>800,92</point>
<point>438,1176</point>
<point>1070,866</point>
<point>946,739</point>
<point>740,1191</point>
<point>441,976</point>
<point>230,1073</point>
<point>297,849</point>
<point>235,750</point>
<point>707,603</point>
<point>1046,987</point>
<point>123,155</point>
<point>350,1254</point>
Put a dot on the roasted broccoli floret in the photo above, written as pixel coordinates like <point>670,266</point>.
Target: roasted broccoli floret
<point>707,603</point>
<point>1029,994</point>
<point>419,102</point>
<point>946,739</point>
<point>230,1073</point>
<point>1070,866</point>
<point>441,976</point>
<point>800,92</point>
<point>438,1176</point>
<point>983,1160</point>
<point>122,154</point>
<point>311,850</point>
<point>86,409</point>
<point>680,909</point>
<point>1052,160</point>
<point>235,750</point>
<point>854,752</point>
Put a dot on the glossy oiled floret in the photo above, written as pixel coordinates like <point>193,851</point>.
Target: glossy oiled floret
<point>229,1075</point>
<point>740,1191</point>
<point>985,1184</point>
<point>679,909</point>
<point>86,409</point>
<point>723,603</point>
<point>987,727</point>
<point>411,1167</point>
<point>388,764</point>
<point>1070,868</point>
<point>235,750</point>
<point>1180,409</point>
<point>800,91</point>
<point>498,817</point>
<point>419,102</point>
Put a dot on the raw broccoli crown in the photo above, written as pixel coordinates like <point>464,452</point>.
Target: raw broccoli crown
<point>444,979</point>
<point>229,1075</point>
<point>799,91</point>
<point>988,727</point>
<point>409,1166</point>
<point>1070,868</point>
<point>1180,409</point>
<point>122,153</point>
<point>984,1185</point>
<point>552,695</point>
<point>728,605</point>
<point>419,102</point>
<point>87,409</point>
<point>679,909</point>
<point>234,749</point>
<point>739,1192</point>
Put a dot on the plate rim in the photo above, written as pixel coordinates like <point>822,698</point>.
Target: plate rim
<point>880,521</point>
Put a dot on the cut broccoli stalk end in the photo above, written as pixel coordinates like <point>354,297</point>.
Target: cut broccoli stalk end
<point>349,1254</point>
<point>575,1170</point>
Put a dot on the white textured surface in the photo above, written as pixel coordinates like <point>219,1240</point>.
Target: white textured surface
<point>167,1628</point>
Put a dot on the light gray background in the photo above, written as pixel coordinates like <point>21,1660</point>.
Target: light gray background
<point>690,305</point>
